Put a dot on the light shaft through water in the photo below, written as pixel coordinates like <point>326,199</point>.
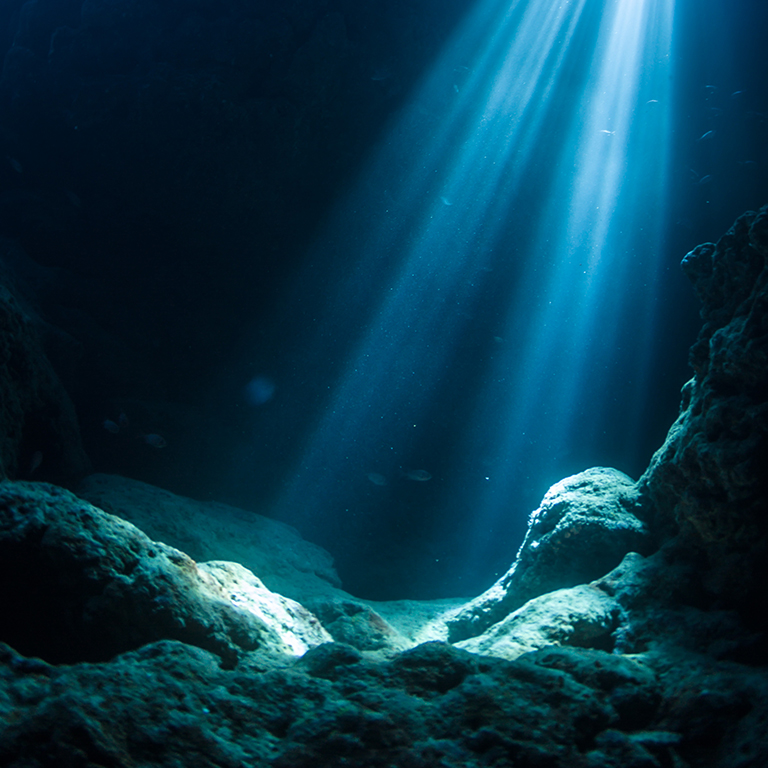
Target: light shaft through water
<point>511,238</point>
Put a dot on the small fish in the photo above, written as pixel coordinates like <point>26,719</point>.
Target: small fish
<point>607,132</point>
<point>707,136</point>
<point>710,88</point>
<point>155,440</point>
<point>376,478</point>
<point>652,101</point>
<point>110,426</point>
<point>705,179</point>
<point>445,200</point>
<point>35,462</point>
<point>419,475</point>
<point>737,94</point>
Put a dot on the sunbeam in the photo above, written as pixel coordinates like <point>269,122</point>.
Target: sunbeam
<point>384,383</point>
<point>511,220</point>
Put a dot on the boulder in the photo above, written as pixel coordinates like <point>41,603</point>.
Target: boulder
<point>78,584</point>
<point>582,529</point>
<point>283,561</point>
<point>207,530</point>
<point>358,625</point>
<point>581,616</point>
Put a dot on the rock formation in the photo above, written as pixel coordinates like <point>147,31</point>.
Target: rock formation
<point>285,562</point>
<point>82,585</point>
<point>582,529</point>
<point>629,632</point>
<point>708,484</point>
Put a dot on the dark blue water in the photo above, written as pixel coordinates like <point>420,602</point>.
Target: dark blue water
<point>385,273</point>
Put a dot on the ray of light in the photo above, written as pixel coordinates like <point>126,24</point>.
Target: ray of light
<point>502,214</point>
<point>607,203</point>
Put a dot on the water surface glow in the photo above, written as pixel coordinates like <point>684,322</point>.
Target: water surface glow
<point>503,243</point>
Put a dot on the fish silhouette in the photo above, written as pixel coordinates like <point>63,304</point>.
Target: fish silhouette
<point>155,440</point>
<point>419,475</point>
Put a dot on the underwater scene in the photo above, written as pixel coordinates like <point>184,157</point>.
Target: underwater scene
<point>384,383</point>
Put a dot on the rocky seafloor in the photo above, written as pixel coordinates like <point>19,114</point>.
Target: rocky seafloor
<point>141,628</point>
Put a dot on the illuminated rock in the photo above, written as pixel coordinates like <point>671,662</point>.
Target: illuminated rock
<point>582,529</point>
<point>582,616</point>
<point>79,584</point>
<point>208,530</point>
